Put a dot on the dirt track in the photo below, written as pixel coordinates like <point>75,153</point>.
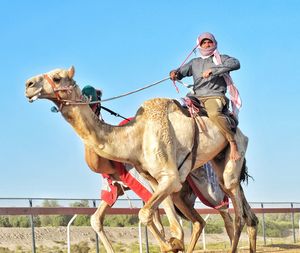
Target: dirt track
<point>13,238</point>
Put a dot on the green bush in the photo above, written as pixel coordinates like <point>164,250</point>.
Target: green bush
<point>121,220</point>
<point>4,221</point>
<point>19,221</point>
<point>214,226</point>
<point>53,220</point>
<point>82,220</point>
<point>275,227</point>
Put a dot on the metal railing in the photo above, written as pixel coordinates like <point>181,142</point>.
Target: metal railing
<point>32,210</point>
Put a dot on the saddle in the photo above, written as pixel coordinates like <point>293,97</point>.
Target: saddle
<point>196,108</point>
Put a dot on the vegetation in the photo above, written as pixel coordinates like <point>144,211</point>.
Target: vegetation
<point>276,225</point>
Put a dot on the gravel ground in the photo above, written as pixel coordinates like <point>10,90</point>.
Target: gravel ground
<point>14,238</point>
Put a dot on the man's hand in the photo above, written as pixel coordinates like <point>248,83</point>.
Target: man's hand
<point>173,75</point>
<point>206,73</point>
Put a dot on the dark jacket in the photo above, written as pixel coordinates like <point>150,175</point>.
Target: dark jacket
<point>215,84</point>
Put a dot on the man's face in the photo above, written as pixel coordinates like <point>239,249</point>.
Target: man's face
<point>206,43</point>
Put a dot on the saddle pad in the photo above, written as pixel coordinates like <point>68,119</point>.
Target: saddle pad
<point>205,186</point>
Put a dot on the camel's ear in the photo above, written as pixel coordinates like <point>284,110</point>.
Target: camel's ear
<point>71,72</point>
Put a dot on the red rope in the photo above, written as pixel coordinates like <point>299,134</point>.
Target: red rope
<point>189,55</point>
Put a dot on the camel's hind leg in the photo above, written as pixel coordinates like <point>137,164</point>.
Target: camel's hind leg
<point>190,213</point>
<point>251,222</point>
<point>97,224</point>
<point>229,179</point>
<point>239,222</point>
<point>228,222</point>
<point>230,182</point>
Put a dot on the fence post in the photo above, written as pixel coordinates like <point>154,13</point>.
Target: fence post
<point>293,222</point>
<point>146,236</point>
<point>263,224</point>
<point>147,242</point>
<point>97,241</point>
<point>299,229</point>
<point>68,232</point>
<point>32,228</point>
<point>203,233</point>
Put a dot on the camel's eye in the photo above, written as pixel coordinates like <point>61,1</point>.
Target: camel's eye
<point>56,79</point>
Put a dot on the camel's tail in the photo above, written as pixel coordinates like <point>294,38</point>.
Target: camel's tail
<point>244,177</point>
<point>248,214</point>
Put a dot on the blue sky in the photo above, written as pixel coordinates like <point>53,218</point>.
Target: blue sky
<point>120,46</point>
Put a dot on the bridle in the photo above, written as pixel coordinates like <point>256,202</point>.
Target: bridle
<point>83,100</point>
<point>68,89</point>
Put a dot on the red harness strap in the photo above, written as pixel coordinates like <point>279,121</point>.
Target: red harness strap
<point>50,81</point>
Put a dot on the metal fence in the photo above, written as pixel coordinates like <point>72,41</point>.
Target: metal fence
<point>33,207</point>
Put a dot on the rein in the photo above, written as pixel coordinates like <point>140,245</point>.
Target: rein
<point>82,102</point>
<point>63,102</point>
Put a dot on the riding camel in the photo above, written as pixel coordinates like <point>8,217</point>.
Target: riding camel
<point>116,175</point>
<point>165,145</point>
<point>101,165</point>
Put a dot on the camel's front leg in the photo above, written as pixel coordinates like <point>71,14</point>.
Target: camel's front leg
<point>175,227</point>
<point>167,184</point>
<point>97,224</point>
<point>158,223</point>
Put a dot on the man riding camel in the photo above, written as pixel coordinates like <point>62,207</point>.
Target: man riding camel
<point>210,72</point>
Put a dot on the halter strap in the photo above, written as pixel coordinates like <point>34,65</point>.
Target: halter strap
<point>50,81</point>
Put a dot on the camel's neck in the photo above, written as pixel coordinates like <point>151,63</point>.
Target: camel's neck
<point>111,142</point>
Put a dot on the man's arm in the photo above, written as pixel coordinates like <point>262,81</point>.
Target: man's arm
<point>183,71</point>
<point>228,64</point>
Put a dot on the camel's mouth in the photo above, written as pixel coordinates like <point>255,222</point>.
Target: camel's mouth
<point>33,94</point>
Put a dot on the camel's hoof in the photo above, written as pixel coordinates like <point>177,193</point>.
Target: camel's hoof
<point>146,216</point>
<point>177,245</point>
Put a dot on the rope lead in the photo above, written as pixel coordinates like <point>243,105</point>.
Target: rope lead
<point>143,88</point>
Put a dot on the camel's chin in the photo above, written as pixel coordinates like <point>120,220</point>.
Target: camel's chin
<point>35,97</point>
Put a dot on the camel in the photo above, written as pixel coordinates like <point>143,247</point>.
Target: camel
<point>117,173</point>
<point>101,165</point>
<point>166,145</point>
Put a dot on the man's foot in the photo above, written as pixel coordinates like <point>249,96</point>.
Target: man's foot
<point>234,153</point>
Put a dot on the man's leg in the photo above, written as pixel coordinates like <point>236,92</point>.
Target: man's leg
<point>214,108</point>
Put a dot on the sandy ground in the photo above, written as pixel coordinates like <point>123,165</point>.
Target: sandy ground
<point>14,238</point>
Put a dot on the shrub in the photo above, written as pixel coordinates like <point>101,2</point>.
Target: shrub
<point>82,220</point>
<point>4,221</point>
<point>19,221</point>
<point>214,227</point>
<point>121,220</point>
<point>275,228</point>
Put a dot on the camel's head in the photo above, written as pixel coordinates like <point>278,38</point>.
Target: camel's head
<point>55,85</point>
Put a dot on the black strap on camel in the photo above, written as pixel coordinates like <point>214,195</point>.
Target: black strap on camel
<point>112,112</point>
<point>193,152</point>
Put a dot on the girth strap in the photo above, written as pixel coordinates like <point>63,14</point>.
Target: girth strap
<point>193,152</point>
